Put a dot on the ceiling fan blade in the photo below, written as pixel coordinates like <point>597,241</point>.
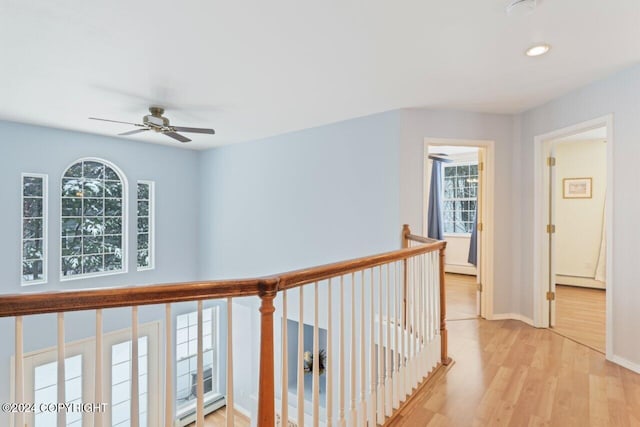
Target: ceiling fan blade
<point>194,130</point>
<point>117,121</point>
<point>133,132</point>
<point>177,136</point>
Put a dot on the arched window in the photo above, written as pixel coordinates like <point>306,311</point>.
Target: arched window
<point>93,238</point>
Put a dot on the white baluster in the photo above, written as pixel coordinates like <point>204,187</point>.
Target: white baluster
<point>363,359</point>
<point>284,411</point>
<point>371,418</point>
<point>61,415</point>
<point>341,351</point>
<point>329,362</point>
<point>200,372</point>
<point>135,394</point>
<point>230,413</point>
<point>396,332</point>
<point>352,351</point>
<point>388,362</point>
<point>380,391</point>
<point>98,415</point>
<point>168,366</point>
<point>301,360</point>
<point>19,370</point>
<point>404,342</point>
<point>315,372</point>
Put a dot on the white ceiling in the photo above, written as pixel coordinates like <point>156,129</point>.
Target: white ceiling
<point>252,69</point>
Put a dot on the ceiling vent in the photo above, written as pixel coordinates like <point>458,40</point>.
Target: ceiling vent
<point>521,7</point>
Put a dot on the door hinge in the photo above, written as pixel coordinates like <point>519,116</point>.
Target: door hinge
<point>551,228</point>
<point>479,287</point>
<point>551,161</point>
<point>480,227</point>
<point>551,296</point>
<point>481,166</point>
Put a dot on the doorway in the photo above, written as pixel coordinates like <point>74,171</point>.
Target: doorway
<point>464,187</point>
<point>573,234</point>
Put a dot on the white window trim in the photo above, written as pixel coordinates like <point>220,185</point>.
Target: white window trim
<point>86,347</point>
<point>183,411</point>
<point>457,163</point>
<point>152,225</point>
<point>125,217</point>
<point>45,220</point>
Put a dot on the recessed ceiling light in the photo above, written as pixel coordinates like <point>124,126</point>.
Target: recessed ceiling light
<point>537,50</point>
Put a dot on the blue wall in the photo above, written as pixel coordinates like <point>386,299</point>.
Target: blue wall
<point>49,151</point>
<point>301,199</point>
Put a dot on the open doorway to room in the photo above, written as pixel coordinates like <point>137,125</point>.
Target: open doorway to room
<point>456,210</point>
<point>574,232</point>
<point>579,250</point>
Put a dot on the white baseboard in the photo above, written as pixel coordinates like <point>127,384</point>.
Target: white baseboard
<point>512,316</point>
<point>584,282</point>
<point>242,410</point>
<point>469,270</point>
<point>626,363</point>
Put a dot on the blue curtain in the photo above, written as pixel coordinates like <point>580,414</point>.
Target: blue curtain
<point>473,242</point>
<point>434,218</point>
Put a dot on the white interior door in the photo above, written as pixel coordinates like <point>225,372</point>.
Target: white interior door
<point>551,233</point>
<point>480,200</point>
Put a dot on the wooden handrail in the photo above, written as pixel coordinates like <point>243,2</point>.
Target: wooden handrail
<point>93,299</point>
<point>297,278</point>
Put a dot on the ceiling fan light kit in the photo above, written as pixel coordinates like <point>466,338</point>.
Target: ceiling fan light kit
<point>158,123</point>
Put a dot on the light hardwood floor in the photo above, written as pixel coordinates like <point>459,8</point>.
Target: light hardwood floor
<point>580,315</point>
<point>461,296</point>
<point>506,373</point>
<point>219,419</point>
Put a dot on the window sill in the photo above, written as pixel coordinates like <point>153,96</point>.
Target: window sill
<point>461,235</point>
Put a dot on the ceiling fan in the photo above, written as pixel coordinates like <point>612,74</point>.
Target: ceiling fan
<point>158,123</point>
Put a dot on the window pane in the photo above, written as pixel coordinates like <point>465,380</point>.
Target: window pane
<point>74,171</point>
<point>143,191</point>
<point>143,208</point>
<point>112,262</point>
<point>93,188</point>
<point>71,187</point>
<point>71,207</point>
<point>32,207</point>
<point>93,226</point>
<point>32,249</point>
<point>71,266</point>
<point>71,227</point>
<point>71,246</point>
<point>143,258</point>
<point>113,207</point>
<point>93,170</point>
<point>143,225</point>
<point>32,229</point>
<point>113,226</point>
<point>92,206</point>
<point>32,186</point>
<point>113,189</point>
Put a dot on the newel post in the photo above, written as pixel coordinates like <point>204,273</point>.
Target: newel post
<point>406,231</point>
<point>444,352</point>
<point>266,387</point>
<point>405,236</point>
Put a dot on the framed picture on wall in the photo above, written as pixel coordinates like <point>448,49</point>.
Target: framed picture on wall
<point>576,188</point>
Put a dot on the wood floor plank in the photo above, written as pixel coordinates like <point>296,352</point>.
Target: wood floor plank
<point>580,315</point>
<point>562,384</point>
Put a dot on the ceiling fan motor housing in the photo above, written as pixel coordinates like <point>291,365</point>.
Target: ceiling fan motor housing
<point>156,121</point>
